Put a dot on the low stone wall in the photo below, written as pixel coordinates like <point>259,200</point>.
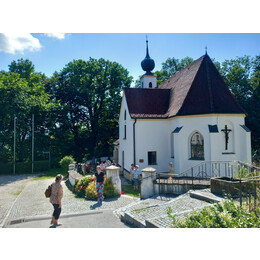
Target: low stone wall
<point>73,176</point>
<point>176,189</point>
<point>225,185</point>
<point>127,175</point>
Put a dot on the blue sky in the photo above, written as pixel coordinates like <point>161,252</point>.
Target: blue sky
<point>50,54</point>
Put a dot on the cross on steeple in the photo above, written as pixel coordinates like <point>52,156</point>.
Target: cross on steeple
<point>226,132</point>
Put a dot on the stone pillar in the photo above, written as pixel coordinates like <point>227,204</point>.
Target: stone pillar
<point>147,185</point>
<point>72,166</point>
<point>113,172</point>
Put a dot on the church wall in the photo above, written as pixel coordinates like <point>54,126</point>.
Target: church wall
<point>214,143</point>
<point>156,135</point>
<point>125,145</point>
<point>153,135</point>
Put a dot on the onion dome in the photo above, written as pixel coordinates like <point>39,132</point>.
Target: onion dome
<point>147,64</point>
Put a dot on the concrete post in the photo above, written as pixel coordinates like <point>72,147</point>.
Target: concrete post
<point>72,167</point>
<point>147,185</point>
<point>113,172</point>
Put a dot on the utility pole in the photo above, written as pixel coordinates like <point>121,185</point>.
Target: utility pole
<point>32,141</point>
<point>14,140</point>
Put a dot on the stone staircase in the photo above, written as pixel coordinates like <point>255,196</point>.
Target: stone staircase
<point>152,212</point>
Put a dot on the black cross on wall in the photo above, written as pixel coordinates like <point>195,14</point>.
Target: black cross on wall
<point>226,132</point>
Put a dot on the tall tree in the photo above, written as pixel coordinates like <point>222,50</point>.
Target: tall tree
<point>23,94</point>
<point>90,95</point>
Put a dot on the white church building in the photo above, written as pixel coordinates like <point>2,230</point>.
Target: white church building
<point>190,118</point>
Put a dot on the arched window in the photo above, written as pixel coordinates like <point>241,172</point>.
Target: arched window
<point>197,146</point>
<point>125,115</point>
<point>150,84</point>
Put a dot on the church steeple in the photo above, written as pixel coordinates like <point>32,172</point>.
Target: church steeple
<point>148,80</point>
<point>147,64</point>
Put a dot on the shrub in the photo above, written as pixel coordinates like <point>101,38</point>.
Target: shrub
<point>81,185</point>
<point>109,189</point>
<point>91,191</point>
<point>24,167</point>
<point>66,161</point>
<point>227,214</point>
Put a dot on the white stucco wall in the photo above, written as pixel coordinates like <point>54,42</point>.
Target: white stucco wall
<point>146,79</point>
<point>125,145</point>
<point>152,135</point>
<point>239,146</point>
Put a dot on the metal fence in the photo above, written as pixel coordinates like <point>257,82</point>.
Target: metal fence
<point>249,193</point>
<point>199,175</point>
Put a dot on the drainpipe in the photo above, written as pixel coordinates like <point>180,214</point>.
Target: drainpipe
<point>134,139</point>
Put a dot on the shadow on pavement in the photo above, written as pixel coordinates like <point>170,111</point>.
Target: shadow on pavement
<point>6,179</point>
<point>97,205</point>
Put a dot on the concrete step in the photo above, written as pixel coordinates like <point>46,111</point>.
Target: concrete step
<point>206,195</point>
<point>156,215</point>
<point>152,213</point>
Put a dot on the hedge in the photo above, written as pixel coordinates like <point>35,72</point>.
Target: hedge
<point>24,167</point>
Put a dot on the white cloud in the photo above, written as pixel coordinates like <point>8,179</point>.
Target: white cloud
<point>59,36</point>
<point>18,42</point>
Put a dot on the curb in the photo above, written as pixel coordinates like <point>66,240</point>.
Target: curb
<point>204,197</point>
<point>45,217</point>
<point>3,224</point>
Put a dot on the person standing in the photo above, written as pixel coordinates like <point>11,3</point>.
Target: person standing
<point>55,199</point>
<point>136,177</point>
<point>131,173</point>
<point>171,169</point>
<point>102,166</point>
<point>114,163</point>
<point>100,177</point>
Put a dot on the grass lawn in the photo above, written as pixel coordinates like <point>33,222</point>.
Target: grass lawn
<point>51,174</point>
<point>129,190</point>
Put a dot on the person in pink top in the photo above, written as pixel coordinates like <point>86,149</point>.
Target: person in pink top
<point>102,166</point>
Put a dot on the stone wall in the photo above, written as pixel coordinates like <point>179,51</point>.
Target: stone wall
<point>73,176</point>
<point>113,173</point>
<point>147,185</point>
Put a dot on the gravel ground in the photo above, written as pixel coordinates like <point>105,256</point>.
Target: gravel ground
<point>10,187</point>
<point>32,202</point>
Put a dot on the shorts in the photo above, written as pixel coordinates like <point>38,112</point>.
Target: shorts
<point>135,182</point>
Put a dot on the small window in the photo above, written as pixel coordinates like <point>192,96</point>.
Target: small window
<point>152,158</point>
<point>125,115</point>
<point>142,85</point>
<point>150,84</point>
<point>172,145</point>
<point>124,131</point>
<point>197,146</point>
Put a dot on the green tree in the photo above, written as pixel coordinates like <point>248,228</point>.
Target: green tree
<point>23,95</point>
<point>90,97</point>
<point>242,77</point>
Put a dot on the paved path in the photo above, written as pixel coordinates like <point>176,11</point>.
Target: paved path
<point>92,219</point>
<point>23,204</point>
<point>10,187</point>
<point>31,201</point>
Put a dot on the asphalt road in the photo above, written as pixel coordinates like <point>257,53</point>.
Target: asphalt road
<point>94,219</point>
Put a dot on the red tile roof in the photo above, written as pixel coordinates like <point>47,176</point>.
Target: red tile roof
<point>196,89</point>
<point>148,102</point>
